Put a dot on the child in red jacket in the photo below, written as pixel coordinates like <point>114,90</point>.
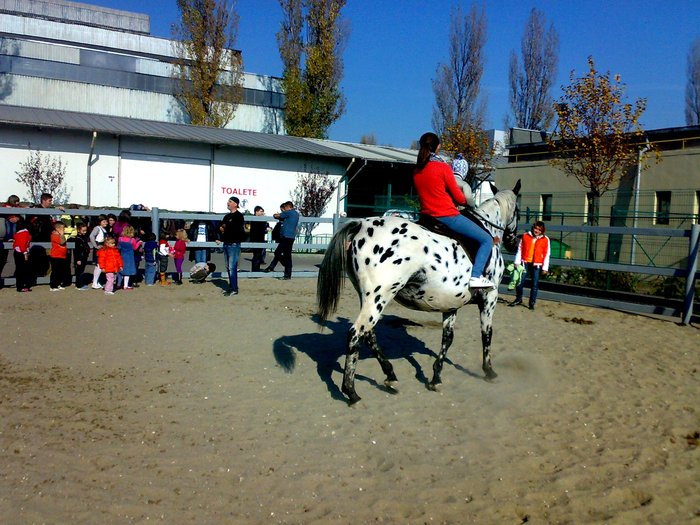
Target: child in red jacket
<point>21,241</point>
<point>60,271</point>
<point>110,261</point>
<point>178,253</point>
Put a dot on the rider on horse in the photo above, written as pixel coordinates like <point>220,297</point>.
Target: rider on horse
<point>438,192</point>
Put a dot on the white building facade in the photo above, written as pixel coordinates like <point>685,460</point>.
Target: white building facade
<point>78,57</point>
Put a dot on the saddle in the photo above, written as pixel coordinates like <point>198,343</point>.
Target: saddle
<point>469,245</point>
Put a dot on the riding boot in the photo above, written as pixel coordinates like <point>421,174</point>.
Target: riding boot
<point>179,279</point>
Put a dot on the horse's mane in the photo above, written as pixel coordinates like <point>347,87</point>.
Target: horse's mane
<point>505,199</point>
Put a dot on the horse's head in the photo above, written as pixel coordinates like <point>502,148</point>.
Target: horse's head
<point>508,200</point>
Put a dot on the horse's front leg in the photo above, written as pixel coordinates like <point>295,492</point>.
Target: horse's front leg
<point>352,354</point>
<point>390,381</point>
<point>487,305</point>
<point>448,329</point>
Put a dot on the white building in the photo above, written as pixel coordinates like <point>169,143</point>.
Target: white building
<point>56,54</point>
<point>90,86</point>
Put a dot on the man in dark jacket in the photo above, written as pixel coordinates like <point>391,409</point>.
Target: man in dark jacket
<point>232,234</point>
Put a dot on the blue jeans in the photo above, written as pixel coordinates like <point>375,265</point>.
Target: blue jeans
<point>463,226</point>
<point>150,273</point>
<point>534,273</point>
<point>231,253</point>
<point>200,255</point>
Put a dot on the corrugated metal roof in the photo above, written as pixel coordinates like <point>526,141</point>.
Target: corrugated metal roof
<point>71,120</point>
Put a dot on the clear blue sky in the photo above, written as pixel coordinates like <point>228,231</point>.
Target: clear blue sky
<point>395,46</point>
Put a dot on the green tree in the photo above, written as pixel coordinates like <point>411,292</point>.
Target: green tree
<point>43,174</point>
<point>311,196</point>
<point>600,136</point>
<point>531,84</point>
<point>313,66</point>
<point>209,71</point>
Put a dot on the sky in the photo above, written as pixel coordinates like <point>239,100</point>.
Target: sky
<point>395,46</point>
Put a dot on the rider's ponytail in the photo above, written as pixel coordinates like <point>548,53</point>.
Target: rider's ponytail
<point>428,143</point>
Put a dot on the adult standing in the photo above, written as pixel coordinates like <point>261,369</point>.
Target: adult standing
<point>534,251</point>
<point>232,234</point>
<point>288,232</point>
<point>41,228</point>
<point>201,231</point>
<point>258,232</point>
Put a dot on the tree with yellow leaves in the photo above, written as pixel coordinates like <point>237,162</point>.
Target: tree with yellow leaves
<point>473,143</point>
<point>209,71</point>
<point>599,136</point>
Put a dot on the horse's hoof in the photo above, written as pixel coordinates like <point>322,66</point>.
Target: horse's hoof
<point>353,400</point>
<point>490,375</point>
<point>392,385</point>
<point>435,387</point>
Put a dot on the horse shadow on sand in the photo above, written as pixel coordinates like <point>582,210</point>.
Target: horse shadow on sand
<point>327,346</point>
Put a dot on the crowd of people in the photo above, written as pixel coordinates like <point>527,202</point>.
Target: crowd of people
<point>117,245</point>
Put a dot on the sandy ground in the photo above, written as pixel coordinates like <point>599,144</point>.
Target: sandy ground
<point>179,405</point>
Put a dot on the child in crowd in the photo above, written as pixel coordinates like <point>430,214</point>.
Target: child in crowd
<point>178,252</point>
<point>163,255</point>
<point>200,271</point>
<point>81,252</point>
<point>97,239</point>
<point>110,261</point>
<point>60,271</point>
<point>150,251</point>
<point>111,221</point>
<point>128,244</point>
<point>21,241</point>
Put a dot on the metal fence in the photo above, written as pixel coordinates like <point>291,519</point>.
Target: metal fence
<point>653,244</point>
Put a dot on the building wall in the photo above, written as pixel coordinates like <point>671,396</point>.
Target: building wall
<point>69,66</point>
<point>677,173</point>
<point>172,175</point>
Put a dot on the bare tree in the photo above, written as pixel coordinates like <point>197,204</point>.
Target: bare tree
<point>311,196</point>
<point>692,89</point>
<point>209,71</point>
<point>43,174</point>
<point>313,66</point>
<point>458,82</point>
<point>530,85</point>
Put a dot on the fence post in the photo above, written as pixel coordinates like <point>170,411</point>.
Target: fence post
<point>155,222</point>
<point>690,276</point>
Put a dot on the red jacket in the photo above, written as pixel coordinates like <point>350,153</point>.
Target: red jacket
<point>179,250</point>
<point>59,250</point>
<point>535,250</point>
<point>109,259</point>
<point>21,241</point>
<point>438,190</point>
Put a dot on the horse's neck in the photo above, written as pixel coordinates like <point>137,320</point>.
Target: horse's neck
<point>491,214</point>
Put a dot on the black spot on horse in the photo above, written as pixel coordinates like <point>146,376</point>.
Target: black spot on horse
<point>425,249</point>
<point>370,231</point>
<point>394,231</point>
<point>377,249</point>
<point>389,252</point>
<point>367,261</point>
<point>397,261</point>
<point>361,243</point>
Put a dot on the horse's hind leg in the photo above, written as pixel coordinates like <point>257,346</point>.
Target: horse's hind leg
<point>390,381</point>
<point>448,329</point>
<point>351,356</point>
<point>486,307</point>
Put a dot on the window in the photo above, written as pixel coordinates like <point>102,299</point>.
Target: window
<point>663,207</point>
<point>546,206</point>
<point>696,207</point>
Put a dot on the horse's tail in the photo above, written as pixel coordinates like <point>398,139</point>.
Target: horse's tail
<point>334,265</point>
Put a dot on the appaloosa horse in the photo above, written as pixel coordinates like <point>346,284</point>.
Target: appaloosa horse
<point>390,257</point>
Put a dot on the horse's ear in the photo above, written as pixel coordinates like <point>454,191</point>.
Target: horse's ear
<point>494,189</point>
<point>516,189</point>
